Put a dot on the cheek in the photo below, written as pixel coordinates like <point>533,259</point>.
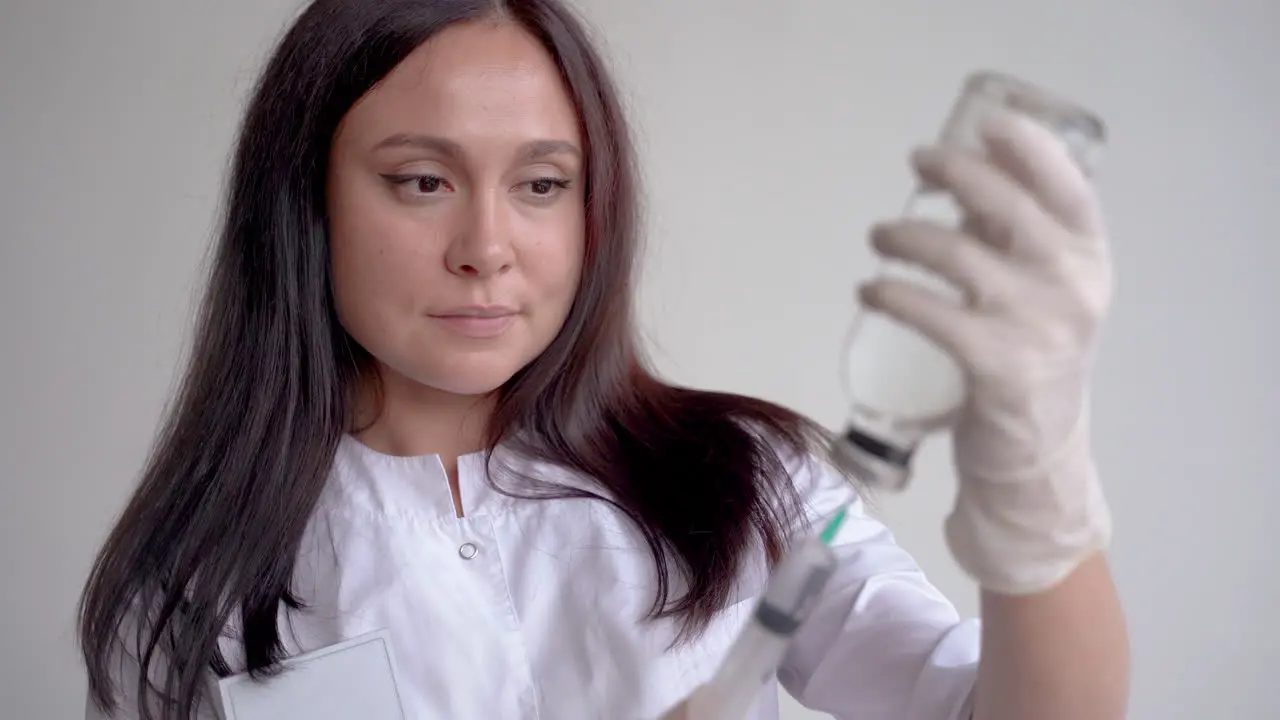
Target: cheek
<point>378,259</point>
<point>554,266</point>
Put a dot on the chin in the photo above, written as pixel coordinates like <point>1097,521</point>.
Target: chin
<point>474,379</point>
<point>467,386</point>
<point>464,372</point>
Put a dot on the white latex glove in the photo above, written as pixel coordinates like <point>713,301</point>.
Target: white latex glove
<point>1034,266</point>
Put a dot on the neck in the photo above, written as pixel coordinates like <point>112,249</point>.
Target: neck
<point>408,419</point>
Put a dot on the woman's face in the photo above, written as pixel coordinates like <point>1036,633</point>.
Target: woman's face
<point>456,210</point>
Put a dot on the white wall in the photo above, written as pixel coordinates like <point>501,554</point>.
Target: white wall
<point>771,140</point>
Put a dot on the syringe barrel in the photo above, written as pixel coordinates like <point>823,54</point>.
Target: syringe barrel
<point>788,599</point>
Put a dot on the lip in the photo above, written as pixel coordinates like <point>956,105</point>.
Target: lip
<point>477,321</point>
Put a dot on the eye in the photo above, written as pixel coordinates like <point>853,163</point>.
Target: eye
<point>428,184</point>
<point>420,185</point>
<point>547,186</point>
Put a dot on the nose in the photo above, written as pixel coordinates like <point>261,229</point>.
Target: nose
<point>482,246</point>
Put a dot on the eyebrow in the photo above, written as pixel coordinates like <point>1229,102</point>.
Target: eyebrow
<point>530,151</point>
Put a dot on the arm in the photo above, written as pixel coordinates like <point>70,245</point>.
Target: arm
<point>1061,654</point>
<point>1030,521</point>
<point>883,643</point>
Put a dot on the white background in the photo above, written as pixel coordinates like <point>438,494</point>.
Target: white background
<point>770,140</point>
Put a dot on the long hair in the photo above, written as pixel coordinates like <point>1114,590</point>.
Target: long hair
<point>212,531</point>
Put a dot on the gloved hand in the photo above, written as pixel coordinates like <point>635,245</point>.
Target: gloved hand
<point>1034,269</point>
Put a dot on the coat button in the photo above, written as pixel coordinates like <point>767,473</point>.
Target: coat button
<point>467,551</point>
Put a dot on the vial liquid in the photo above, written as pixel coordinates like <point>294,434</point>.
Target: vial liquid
<point>901,386</point>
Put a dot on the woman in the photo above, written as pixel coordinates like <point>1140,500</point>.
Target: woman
<point>416,404</point>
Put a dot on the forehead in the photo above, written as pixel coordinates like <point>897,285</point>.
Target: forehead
<point>471,82</point>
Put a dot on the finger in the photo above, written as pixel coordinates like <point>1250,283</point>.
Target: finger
<point>1005,215</point>
<point>1039,160</point>
<point>975,268</point>
<point>944,321</point>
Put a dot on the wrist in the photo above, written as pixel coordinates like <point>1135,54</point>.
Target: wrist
<point>1024,535</point>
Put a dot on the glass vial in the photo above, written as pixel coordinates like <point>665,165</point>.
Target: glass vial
<point>902,387</point>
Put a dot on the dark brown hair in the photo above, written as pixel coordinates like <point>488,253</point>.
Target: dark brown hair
<point>212,531</point>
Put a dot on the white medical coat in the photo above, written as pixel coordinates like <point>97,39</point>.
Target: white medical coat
<point>525,610</point>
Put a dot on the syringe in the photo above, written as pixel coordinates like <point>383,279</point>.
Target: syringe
<point>789,597</point>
